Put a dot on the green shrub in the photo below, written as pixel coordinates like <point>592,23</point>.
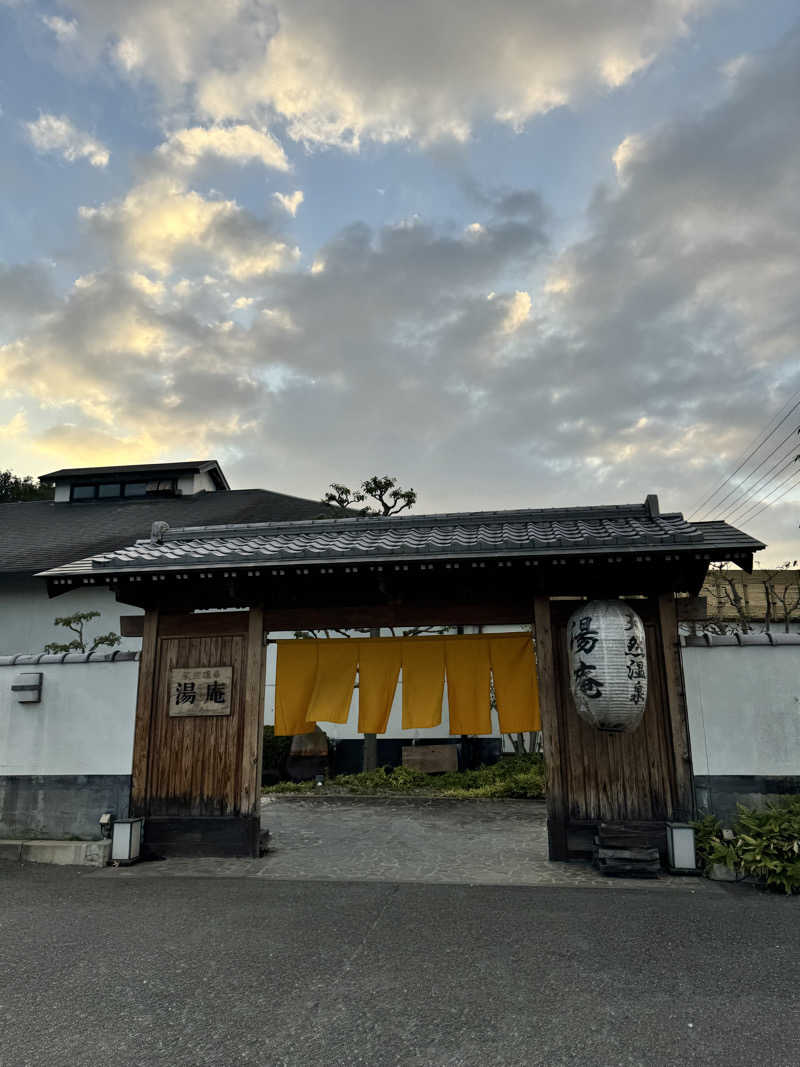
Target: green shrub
<point>706,831</point>
<point>522,776</point>
<point>765,845</point>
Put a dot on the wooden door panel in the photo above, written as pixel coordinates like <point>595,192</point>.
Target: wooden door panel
<point>617,777</point>
<point>194,765</point>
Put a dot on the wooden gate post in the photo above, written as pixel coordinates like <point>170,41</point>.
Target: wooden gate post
<point>144,710</point>
<point>253,740</point>
<point>551,736</point>
<point>676,701</point>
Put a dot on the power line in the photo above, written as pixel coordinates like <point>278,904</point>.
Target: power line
<point>759,503</point>
<point>765,437</point>
<point>765,503</point>
<point>769,455</point>
<point>749,495</point>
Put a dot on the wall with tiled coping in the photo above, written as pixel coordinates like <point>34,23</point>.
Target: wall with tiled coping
<point>743,699</point>
<point>67,759</point>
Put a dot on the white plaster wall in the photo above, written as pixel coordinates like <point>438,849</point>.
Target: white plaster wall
<point>744,709</point>
<point>27,613</point>
<point>83,725</point>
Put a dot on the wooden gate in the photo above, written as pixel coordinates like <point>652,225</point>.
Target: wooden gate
<point>641,778</point>
<point>199,727</point>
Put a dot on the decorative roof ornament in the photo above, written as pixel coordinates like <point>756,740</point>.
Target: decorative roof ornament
<point>608,665</point>
<point>157,531</point>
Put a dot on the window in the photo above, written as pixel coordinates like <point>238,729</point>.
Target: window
<point>164,487</point>
<point>115,490</point>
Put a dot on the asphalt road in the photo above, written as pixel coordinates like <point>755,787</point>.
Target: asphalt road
<point>196,971</point>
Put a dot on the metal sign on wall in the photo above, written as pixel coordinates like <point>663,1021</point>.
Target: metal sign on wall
<point>200,691</point>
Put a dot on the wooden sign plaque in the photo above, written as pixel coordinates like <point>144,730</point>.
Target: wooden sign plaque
<point>200,691</point>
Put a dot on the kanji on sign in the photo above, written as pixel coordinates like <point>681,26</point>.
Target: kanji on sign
<point>196,691</point>
<point>184,693</point>
<point>215,692</point>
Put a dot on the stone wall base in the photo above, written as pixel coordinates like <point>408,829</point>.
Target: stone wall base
<point>60,806</point>
<point>719,794</point>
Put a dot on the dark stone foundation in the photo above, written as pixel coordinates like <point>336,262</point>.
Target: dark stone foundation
<point>60,806</point>
<point>719,794</point>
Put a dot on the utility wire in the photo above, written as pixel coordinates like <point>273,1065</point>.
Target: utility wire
<point>769,455</point>
<point>787,459</point>
<point>788,489</point>
<point>752,450</point>
<point>765,502</point>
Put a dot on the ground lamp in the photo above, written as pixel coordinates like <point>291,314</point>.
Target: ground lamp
<point>681,848</point>
<point>126,840</point>
<point>608,665</point>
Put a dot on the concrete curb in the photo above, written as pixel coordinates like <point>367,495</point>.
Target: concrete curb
<point>395,798</point>
<point>64,853</point>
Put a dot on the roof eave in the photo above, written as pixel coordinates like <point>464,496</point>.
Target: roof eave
<point>741,554</point>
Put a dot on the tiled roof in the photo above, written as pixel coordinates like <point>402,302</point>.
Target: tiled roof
<point>187,466</point>
<point>765,640</point>
<point>565,531</point>
<point>41,534</point>
<point>30,659</point>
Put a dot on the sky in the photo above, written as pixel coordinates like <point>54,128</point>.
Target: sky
<point>515,254</point>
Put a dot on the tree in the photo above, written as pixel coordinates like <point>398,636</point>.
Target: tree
<point>14,488</point>
<point>383,490</point>
<point>76,623</point>
<point>390,499</point>
<point>728,591</point>
<point>782,593</point>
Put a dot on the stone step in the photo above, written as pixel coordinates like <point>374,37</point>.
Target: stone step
<point>66,853</point>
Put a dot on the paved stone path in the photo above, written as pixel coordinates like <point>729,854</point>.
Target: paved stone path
<point>474,842</point>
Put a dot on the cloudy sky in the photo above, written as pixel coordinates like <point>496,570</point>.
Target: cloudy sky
<point>518,254</point>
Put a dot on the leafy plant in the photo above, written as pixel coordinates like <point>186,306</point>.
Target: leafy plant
<point>76,623</point>
<point>512,777</point>
<point>706,831</point>
<point>765,845</point>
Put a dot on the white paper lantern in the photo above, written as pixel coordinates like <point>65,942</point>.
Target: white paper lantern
<point>608,664</point>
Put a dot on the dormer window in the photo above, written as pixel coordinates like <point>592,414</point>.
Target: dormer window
<point>128,490</point>
<point>136,481</point>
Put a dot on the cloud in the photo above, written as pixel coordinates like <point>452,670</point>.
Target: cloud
<point>642,357</point>
<point>518,309</point>
<point>162,225</point>
<point>16,427</point>
<point>238,143</point>
<point>66,30</point>
<point>54,133</point>
<point>339,74</point>
<point>26,291</point>
<point>290,201</point>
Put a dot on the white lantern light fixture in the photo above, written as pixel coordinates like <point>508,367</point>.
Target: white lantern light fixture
<point>608,664</point>
<point>681,848</point>
<point>126,840</point>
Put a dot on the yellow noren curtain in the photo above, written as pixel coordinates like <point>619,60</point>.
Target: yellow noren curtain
<point>378,667</point>
<point>516,688</point>
<point>295,671</point>
<point>423,683</point>
<point>468,697</point>
<point>337,661</point>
